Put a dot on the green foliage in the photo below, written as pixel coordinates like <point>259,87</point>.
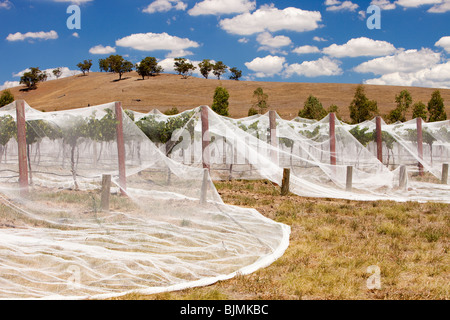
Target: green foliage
<point>6,98</point>
<point>420,111</point>
<point>220,102</point>
<point>85,66</point>
<point>236,74</point>
<point>314,134</point>
<point>7,129</point>
<point>116,64</point>
<point>362,135</point>
<point>171,112</point>
<point>404,101</point>
<point>183,67</point>
<point>252,111</point>
<point>261,100</point>
<point>57,72</point>
<point>312,109</point>
<point>161,131</point>
<point>148,67</point>
<point>219,68</point>
<point>334,109</point>
<point>436,107</point>
<point>361,108</point>
<point>31,78</point>
<point>104,129</point>
<point>205,67</point>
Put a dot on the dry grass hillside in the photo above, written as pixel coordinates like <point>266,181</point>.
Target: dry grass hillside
<point>168,90</point>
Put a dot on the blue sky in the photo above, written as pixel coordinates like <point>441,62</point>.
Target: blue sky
<point>291,40</point>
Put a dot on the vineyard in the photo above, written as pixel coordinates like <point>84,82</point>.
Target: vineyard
<point>100,202</point>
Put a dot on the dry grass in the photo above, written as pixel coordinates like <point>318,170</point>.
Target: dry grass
<point>332,244</point>
<point>167,91</point>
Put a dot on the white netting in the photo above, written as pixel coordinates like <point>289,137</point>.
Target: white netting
<point>245,149</point>
<point>171,231</point>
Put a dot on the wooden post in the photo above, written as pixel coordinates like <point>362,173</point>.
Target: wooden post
<point>379,139</point>
<point>349,183</point>
<point>444,173</point>
<point>22,146</point>
<point>286,182</point>
<point>106,191</point>
<point>121,149</point>
<point>205,138</point>
<point>333,139</point>
<point>273,135</point>
<point>420,144</point>
<point>204,189</point>
<point>402,178</point>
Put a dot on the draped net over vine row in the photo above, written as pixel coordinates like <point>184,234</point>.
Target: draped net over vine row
<point>170,231</point>
<point>252,148</point>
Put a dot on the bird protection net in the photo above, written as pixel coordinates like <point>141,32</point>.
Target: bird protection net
<point>165,227</point>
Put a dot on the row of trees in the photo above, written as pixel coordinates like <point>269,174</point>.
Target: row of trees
<point>362,108</point>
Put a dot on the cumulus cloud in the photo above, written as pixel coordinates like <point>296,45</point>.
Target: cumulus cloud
<point>335,5</point>
<point>268,66</point>
<point>102,50</point>
<point>168,65</point>
<point>5,5</point>
<point>319,39</point>
<point>444,42</point>
<point>403,61</point>
<point>321,67</point>
<point>41,35</point>
<point>217,7</point>
<point>440,7</point>
<point>437,76</point>
<point>9,84</point>
<point>306,49</point>
<point>384,4</point>
<point>269,18</point>
<point>164,6</point>
<point>360,47</point>
<point>156,41</point>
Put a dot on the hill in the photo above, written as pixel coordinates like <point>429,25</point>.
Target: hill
<point>167,90</point>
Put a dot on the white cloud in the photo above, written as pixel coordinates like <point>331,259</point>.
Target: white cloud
<point>440,7</point>
<point>306,50</point>
<point>403,61</point>
<point>360,47</point>
<point>179,53</point>
<point>321,67</point>
<point>164,6</point>
<point>5,5</point>
<point>384,4</point>
<point>444,42</point>
<point>217,7</point>
<point>267,66</point>
<point>102,50</point>
<point>243,40</point>
<point>156,41</point>
<point>417,3</point>
<point>74,1</point>
<point>269,42</point>
<point>437,76</point>
<point>334,5</point>
<point>269,18</point>
<point>9,84</point>
<point>75,34</point>
<point>33,35</point>
<point>65,72</point>
<point>319,39</point>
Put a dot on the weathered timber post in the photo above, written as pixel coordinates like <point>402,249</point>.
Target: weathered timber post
<point>121,149</point>
<point>333,139</point>
<point>349,182</point>
<point>444,173</point>
<point>286,182</point>
<point>22,146</point>
<point>402,178</point>
<point>273,136</point>
<point>379,139</point>
<point>205,138</point>
<point>106,191</point>
<point>420,144</point>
